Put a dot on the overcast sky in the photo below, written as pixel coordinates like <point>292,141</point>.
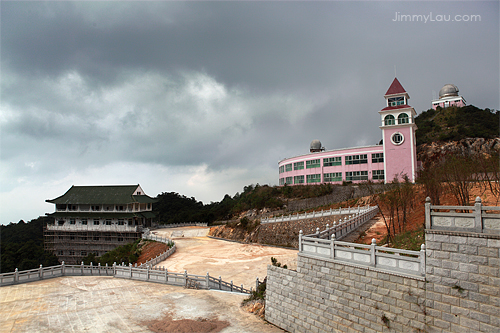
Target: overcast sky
<point>203,98</point>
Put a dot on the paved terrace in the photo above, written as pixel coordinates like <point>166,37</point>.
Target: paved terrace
<point>107,304</point>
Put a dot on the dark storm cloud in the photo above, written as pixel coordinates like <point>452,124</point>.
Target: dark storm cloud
<point>216,93</point>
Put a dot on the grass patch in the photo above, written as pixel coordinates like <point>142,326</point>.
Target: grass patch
<point>409,240</point>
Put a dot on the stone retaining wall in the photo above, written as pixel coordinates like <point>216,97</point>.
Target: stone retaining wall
<point>460,292</point>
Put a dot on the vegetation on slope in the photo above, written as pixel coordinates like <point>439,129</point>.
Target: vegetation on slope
<point>22,246</point>
<point>175,208</point>
<point>455,123</point>
<point>127,254</point>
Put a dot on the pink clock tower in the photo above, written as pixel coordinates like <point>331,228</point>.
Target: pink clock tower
<point>398,133</point>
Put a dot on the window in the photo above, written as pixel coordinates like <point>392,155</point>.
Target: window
<point>356,159</point>
<point>95,208</point>
<point>395,101</point>
<point>298,165</point>
<point>83,253</point>
<point>83,238</point>
<point>72,221</point>
<point>72,237</point>
<point>289,180</point>
<point>60,222</point>
<point>121,222</point>
<point>108,221</point>
<point>282,181</point>
<point>282,169</point>
<point>108,239</point>
<point>389,120</point>
<point>288,167</point>
<point>313,164</point>
<point>356,175</point>
<point>84,221</point>
<point>397,138</point>
<point>313,178</point>
<point>331,161</point>
<point>378,174</point>
<point>378,157</point>
<point>332,177</point>
<point>120,239</point>
<point>403,118</point>
<point>60,253</point>
<point>96,221</point>
<point>96,238</point>
<point>119,208</point>
<point>71,253</point>
<point>298,180</point>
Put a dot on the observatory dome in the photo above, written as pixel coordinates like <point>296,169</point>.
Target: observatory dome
<point>448,90</point>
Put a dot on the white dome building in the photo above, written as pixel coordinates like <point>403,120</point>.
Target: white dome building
<point>448,96</point>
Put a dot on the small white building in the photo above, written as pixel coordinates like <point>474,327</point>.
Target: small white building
<point>448,96</point>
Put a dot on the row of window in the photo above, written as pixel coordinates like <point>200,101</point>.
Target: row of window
<point>97,208</point>
<point>333,161</point>
<point>332,177</point>
<point>72,253</point>
<point>84,238</point>
<point>402,119</point>
<point>95,221</point>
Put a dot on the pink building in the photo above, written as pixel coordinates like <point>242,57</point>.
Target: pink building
<point>448,96</point>
<point>395,158</point>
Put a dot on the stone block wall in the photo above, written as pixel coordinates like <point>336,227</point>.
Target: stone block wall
<point>463,274</point>
<point>460,292</point>
<point>327,296</point>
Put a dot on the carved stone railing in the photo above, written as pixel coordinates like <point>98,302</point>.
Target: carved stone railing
<point>477,218</point>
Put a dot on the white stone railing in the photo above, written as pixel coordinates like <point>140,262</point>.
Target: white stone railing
<point>146,274</point>
<point>463,218</point>
<point>184,224</point>
<point>345,226</point>
<point>405,262</point>
<point>315,214</point>
<point>152,262</point>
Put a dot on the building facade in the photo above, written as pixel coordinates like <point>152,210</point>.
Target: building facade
<point>394,158</point>
<point>448,96</point>
<point>96,219</point>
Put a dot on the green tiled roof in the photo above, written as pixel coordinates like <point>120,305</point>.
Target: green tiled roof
<point>104,194</point>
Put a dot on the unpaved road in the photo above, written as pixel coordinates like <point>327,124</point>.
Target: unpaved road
<point>241,263</point>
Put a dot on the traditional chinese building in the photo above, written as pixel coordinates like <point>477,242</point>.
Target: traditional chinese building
<point>96,219</point>
<point>394,158</point>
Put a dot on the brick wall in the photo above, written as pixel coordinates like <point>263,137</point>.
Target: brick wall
<point>462,292</point>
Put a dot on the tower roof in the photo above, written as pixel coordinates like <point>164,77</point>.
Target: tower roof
<point>395,88</point>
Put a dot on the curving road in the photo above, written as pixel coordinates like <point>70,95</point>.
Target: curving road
<point>241,263</point>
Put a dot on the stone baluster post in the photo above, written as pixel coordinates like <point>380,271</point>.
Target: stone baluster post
<point>63,268</point>
<point>422,259</point>
<point>478,223</point>
<point>373,259</point>
<point>300,240</point>
<point>16,275</point>
<point>428,213</point>
<point>40,272</point>
<point>207,280</point>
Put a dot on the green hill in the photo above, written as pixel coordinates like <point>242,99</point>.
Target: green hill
<point>455,123</point>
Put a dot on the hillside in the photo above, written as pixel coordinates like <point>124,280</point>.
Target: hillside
<point>455,124</point>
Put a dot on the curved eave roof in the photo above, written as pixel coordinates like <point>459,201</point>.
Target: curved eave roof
<point>110,195</point>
